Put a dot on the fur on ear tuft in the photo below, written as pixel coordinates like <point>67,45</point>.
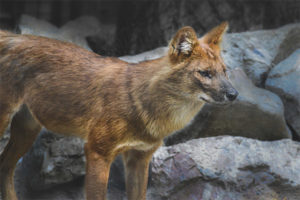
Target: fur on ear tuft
<point>182,44</point>
<point>214,37</point>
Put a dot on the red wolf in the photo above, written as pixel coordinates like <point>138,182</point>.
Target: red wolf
<point>115,106</point>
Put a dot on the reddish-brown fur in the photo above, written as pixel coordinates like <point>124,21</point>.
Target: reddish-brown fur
<point>115,106</point>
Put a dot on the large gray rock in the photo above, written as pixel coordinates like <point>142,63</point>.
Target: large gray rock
<point>75,31</point>
<point>256,113</point>
<point>232,168</point>
<point>288,45</point>
<point>148,55</point>
<point>34,26</point>
<point>284,79</point>
<point>56,160</point>
<point>53,160</point>
<point>254,51</point>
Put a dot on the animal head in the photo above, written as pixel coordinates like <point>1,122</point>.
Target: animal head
<point>198,66</point>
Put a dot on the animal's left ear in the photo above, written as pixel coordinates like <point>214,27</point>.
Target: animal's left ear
<point>214,37</point>
<point>182,44</point>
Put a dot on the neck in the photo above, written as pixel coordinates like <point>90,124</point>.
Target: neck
<point>162,106</point>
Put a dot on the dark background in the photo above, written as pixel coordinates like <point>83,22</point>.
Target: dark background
<point>146,24</point>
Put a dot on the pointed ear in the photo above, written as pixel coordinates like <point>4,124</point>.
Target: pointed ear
<point>214,37</point>
<point>182,44</point>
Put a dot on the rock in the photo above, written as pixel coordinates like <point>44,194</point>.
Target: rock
<point>82,28</point>
<point>148,55</point>
<point>53,160</point>
<point>74,31</point>
<point>77,30</point>
<point>33,26</point>
<point>56,160</point>
<point>288,45</point>
<point>256,51</point>
<point>256,113</point>
<point>227,168</point>
<point>284,79</point>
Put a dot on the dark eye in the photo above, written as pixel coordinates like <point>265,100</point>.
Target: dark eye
<point>205,73</point>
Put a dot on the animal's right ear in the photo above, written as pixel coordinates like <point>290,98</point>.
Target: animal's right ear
<point>182,44</point>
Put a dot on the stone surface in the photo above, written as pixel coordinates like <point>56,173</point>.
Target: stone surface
<point>252,51</point>
<point>288,45</point>
<point>34,26</point>
<point>256,113</point>
<point>148,55</point>
<point>256,52</point>
<point>56,160</point>
<point>53,160</point>
<point>74,31</point>
<point>284,79</point>
<point>232,168</point>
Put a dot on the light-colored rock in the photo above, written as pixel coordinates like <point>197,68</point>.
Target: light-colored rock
<point>34,26</point>
<point>53,160</point>
<point>56,160</point>
<point>148,55</point>
<point>284,79</point>
<point>254,51</point>
<point>232,168</point>
<point>74,31</point>
<point>288,45</point>
<point>78,30</point>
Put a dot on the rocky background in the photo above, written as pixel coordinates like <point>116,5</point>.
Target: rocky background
<point>249,150</point>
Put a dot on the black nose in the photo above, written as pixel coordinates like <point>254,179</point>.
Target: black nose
<point>232,94</point>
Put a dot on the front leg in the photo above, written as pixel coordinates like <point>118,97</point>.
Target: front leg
<point>136,172</point>
<point>97,173</point>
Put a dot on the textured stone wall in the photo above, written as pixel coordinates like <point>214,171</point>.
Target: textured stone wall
<point>146,24</point>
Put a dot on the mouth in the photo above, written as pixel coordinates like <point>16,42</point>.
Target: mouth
<point>207,99</point>
<point>204,99</point>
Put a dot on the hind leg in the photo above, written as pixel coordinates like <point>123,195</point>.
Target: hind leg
<point>24,129</point>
